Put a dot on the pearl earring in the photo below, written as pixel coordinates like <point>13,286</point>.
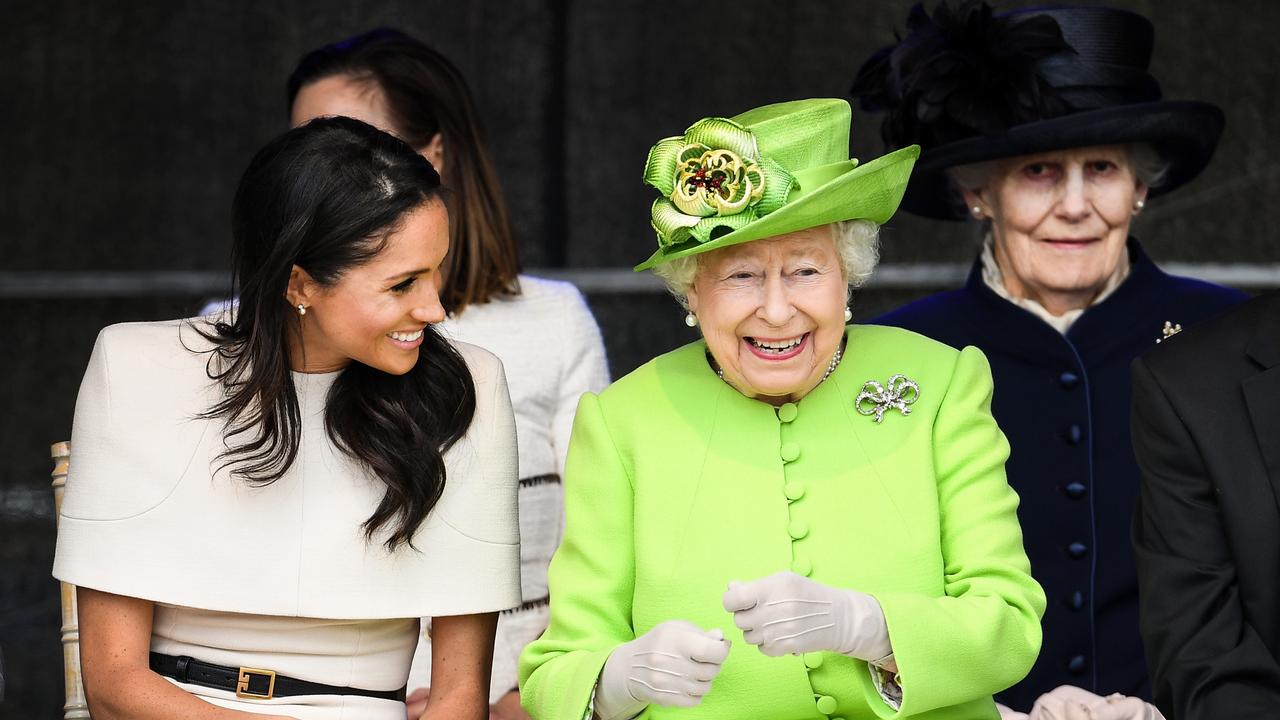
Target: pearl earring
<point>1138,205</point>
<point>691,320</point>
<point>977,211</point>
<point>848,314</point>
<point>302,309</point>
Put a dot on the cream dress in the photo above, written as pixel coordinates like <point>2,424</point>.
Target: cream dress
<point>278,577</point>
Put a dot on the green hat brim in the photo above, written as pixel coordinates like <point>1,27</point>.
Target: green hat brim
<point>840,191</point>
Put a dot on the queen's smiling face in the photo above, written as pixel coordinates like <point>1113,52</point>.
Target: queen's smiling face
<point>772,312</point>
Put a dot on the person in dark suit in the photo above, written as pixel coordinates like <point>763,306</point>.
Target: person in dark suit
<point>1045,129</point>
<point>1206,533</point>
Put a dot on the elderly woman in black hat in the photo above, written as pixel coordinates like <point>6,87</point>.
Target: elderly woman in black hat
<point>1044,128</point>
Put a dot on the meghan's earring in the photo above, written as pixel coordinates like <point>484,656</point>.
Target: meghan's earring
<point>848,314</point>
<point>302,310</point>
<point>1138,205</point>
<point>691,320</point>
<point>977,212</point>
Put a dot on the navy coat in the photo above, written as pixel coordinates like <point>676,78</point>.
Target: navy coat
<point>1063,402</point>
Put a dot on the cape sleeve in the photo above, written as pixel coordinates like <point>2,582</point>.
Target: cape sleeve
<point>984,633</point>
<point>558,671</point>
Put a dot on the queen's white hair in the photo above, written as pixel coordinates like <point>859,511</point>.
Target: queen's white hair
<point>857,243</point>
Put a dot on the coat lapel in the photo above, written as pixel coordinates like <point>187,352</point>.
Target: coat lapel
<point>1262,391</point>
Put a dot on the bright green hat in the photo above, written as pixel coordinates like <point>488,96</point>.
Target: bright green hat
<point>766,172</point>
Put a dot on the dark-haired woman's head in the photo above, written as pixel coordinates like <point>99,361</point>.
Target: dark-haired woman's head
<point>400,85</point>
<point>339,232</point>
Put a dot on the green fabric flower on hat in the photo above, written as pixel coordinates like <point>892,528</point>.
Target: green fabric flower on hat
<point>713,181</point>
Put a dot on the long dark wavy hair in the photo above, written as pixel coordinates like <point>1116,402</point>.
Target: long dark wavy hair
<point>427,95</point>
<point>325,197</point>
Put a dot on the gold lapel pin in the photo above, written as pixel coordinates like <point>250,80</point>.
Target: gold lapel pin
<point>1169,330</point>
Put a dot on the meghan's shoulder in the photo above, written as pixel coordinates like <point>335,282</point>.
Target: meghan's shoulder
<point>144,347</point>
<point>484,365</point>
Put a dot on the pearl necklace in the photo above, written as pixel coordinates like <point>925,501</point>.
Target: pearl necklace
<point>831,367</point>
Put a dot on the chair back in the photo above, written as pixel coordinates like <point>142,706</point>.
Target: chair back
<point>75,707</point>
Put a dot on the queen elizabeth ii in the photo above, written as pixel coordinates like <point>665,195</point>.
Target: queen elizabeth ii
<point>790,518</point>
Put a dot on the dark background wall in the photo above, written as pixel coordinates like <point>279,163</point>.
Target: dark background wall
<point>124,127</point>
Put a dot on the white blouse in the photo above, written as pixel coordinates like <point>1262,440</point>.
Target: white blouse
<point>551,348</point>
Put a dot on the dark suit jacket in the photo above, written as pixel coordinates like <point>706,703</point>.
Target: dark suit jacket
<point>1063,401</point>
<point>1206,534</point>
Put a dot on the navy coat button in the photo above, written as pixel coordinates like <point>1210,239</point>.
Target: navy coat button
<point>1075,490</point>
<point>1074,433</point>
<point>1076,665</point>
<point>1076,601</point>
<point>1077,549</point>
<point>1069,379</point>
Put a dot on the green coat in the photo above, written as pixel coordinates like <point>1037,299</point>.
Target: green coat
<point>677,484</point>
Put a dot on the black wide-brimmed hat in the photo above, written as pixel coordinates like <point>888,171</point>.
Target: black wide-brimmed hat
<point>969,85</point>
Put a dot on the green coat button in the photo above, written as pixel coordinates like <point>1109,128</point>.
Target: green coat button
<point>789,451</point>
<point>794,490</point>
<point>827,705</point>
<point>813,661</point>
<point>798,529</point>
<point>802,566</point>
<point>788,412</point>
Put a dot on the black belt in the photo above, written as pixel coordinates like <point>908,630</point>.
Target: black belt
<point>253,683</point>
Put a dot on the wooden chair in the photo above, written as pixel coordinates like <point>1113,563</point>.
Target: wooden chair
<point>75,707</point>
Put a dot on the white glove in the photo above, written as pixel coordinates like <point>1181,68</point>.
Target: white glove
<point>1008,713</point>
<point>788,613</point>
<point>1072,703</point>
<point>673,664</point>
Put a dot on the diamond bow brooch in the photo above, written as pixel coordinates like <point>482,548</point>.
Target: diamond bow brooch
<point>876,399</point>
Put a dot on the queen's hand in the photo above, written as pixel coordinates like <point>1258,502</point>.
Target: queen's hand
<point>789,613</point>
<point>673,664</point>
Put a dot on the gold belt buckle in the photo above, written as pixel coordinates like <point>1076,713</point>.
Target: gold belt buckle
<point>242,684</point>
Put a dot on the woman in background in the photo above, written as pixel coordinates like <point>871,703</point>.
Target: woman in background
<point>263,505</point>
<point>542,330</point>
<point>1045,129</point>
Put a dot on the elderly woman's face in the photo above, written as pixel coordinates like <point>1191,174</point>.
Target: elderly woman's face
<point>772,312</point>
<point>1060,220</point>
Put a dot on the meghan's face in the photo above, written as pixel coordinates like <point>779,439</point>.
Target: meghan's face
<point>377,311</point>
<point>772,312</point>
<point>1059,221</point>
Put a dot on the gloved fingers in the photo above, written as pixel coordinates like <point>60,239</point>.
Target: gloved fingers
<point>1120,707</point>
<point>666,687</point>
<point>1008,713</point>
<point>740,596</point>
<point>1077,711</point>
<point>1067,693</point>
<point>778,643</point>
<point>744,595</point>
<point>706,650</point>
